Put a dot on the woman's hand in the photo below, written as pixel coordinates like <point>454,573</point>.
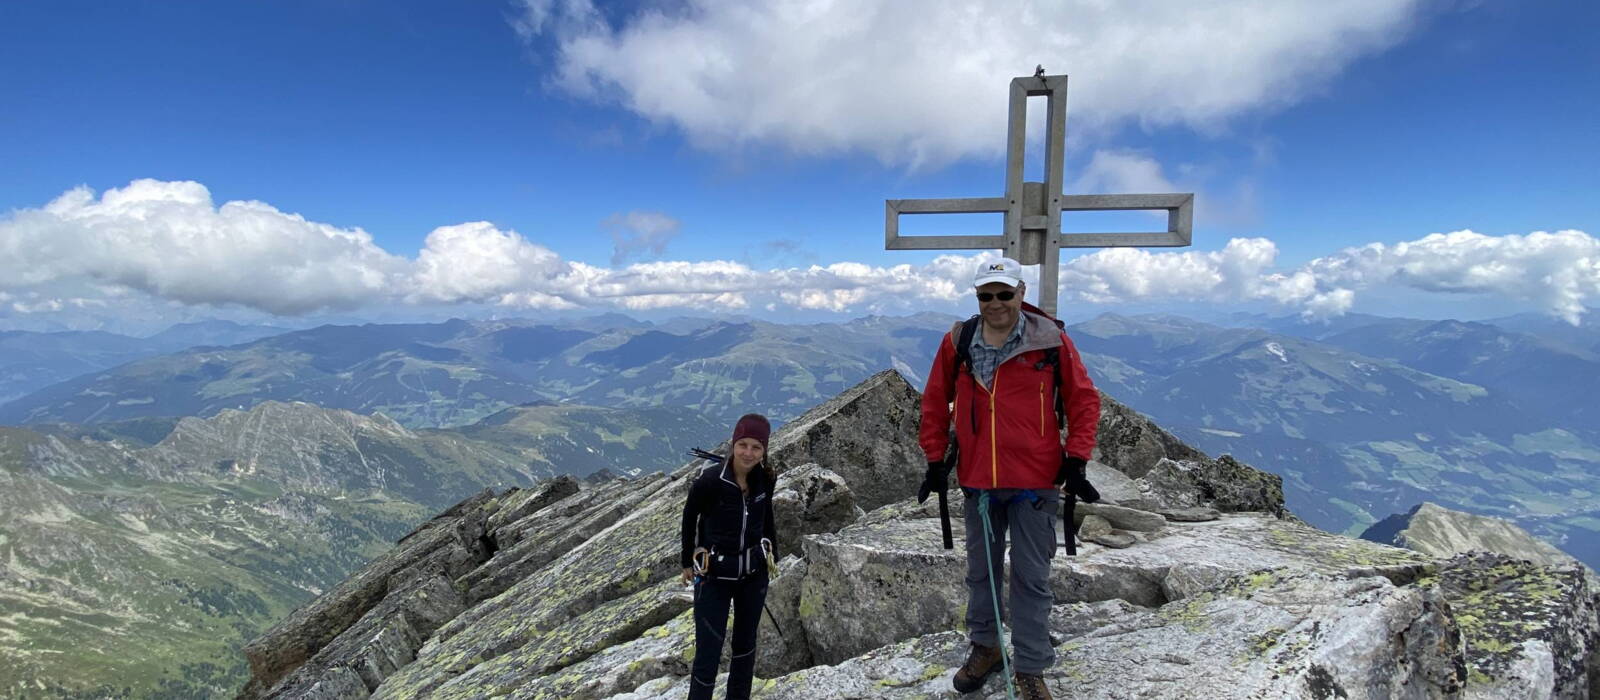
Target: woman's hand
<point>688,575</point>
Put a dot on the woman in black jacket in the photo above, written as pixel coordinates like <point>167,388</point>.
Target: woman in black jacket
<point>727,539</point>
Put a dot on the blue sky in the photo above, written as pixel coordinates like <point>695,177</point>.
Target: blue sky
<point>681,158</point>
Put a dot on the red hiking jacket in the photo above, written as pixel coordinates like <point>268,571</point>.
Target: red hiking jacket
<point>1008,435</point>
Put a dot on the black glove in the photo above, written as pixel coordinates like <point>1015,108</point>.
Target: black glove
<point>1073,478</point>
<point>933,480</point>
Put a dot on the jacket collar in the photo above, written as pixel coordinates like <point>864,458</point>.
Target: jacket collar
<point>1039,333</point>
<point>727,472</point>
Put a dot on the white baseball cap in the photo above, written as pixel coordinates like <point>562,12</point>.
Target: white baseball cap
<point>1003,270</point>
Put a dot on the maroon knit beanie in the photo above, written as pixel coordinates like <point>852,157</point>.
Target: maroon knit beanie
<point>752,425</point>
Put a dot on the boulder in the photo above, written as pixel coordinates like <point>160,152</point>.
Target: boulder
<point>1223,484</point>
<point>1131,443</point>
<point>1529,630</point>
<point>868,435</point>
<point>1120,517</point>
<point>807,500</point>
<point>1115,539</point>
<point>1197,514</point>
<point>1115,487</point>
<point>781,642</point>
<point>1186,579</point>
<point>1091,526</point>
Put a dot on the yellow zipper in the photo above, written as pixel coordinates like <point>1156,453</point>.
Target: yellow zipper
<point>994,450</point>
<point>1041,409</point>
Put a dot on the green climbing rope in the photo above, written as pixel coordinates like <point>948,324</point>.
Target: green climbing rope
<point>994,595</point>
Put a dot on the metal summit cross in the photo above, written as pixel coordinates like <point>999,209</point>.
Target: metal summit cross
<point>1033,209</point>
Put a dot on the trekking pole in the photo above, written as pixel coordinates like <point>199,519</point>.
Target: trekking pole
<point>774,621</point>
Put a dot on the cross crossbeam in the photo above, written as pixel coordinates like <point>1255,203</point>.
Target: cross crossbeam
<point>1032,231</point>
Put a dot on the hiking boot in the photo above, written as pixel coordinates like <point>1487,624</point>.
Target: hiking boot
<point>981,661</point>
<point>1031,687</point>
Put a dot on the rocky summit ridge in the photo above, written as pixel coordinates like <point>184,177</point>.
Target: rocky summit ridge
<point>1192,581</point>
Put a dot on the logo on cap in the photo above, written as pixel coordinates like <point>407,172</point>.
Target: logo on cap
<point>997,267</point>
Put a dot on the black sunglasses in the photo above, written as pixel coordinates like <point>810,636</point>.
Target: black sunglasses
<point>986,297</point>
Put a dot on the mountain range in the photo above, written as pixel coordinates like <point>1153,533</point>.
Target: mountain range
<point>151,496</point>
<point>457,372</point>
<point>134,564</point>
<point>1359,430</point>
<point>30,361</point>
<point>1365,415</point>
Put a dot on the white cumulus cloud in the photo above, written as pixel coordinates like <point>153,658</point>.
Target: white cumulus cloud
<point>1559,273</point>
<point>168,241</point>
<point>919,83</point>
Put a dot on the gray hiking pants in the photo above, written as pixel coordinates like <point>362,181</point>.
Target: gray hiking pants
<point>1032,526</point>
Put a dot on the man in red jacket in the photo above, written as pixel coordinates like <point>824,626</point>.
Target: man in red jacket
<point>1011,453</point>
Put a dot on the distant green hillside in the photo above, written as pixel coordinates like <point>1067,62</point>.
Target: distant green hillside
<point>130,568</point>
<point>1358,437</point>
<point>455,373</point>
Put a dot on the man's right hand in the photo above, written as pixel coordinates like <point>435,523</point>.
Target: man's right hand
<point>933,480</point>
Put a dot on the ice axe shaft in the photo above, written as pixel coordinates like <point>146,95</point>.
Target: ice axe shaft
<point>944,520</point>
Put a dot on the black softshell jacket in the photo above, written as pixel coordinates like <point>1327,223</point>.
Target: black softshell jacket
<point>718,517</point>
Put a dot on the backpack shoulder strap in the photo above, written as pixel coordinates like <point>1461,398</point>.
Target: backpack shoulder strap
<point>963,341</point>
<point>1054,355</point>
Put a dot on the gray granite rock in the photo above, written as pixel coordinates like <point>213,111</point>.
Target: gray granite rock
<point>542,537</point>
<point>807,500</point>
<point>781,642</point>
<point>900,566</point>
<point>628,558</point>
<point>1092,526</point>
<point>338,684</point>
<point>450,542</point>
<point>580,599</point>
<point>1529,630</point>
<point>1115,487</point>
<point>1114,539</point>
<point>1120,517</point>
<point>525,502</point>
<point>1131,443</point>
<point>1185,579</point>
<point>382,641</point>
<point>868,435</point>
<point>1265,635</point>
<point>1224,484</point>
<point>1190,515</point>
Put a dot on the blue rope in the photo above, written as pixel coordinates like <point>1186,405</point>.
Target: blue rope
<point>994,596</point>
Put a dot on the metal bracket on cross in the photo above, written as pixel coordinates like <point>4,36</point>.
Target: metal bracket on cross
<point>1032,210</point>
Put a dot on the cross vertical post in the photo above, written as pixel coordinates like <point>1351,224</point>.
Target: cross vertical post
<point>1032,230</point>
